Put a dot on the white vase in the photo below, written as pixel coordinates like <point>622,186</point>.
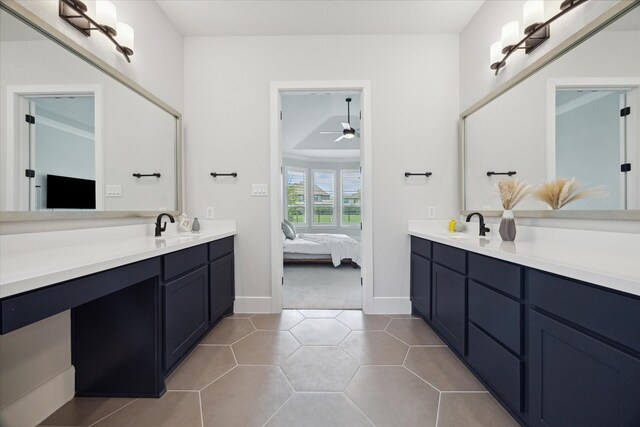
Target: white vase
<point>507,226</point>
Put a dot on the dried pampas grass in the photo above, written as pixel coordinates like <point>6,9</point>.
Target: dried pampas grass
<point>511,192</point>
<point>562,191</point>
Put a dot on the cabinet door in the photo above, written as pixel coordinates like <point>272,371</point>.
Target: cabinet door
<point>448,315</point>
<point>577,380</point>
<point>221,287</point>
<point>421,285</point>
<point>186,314</point>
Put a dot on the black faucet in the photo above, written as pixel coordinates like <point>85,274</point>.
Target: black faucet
<point>483,228</point>
<point>162,227</point>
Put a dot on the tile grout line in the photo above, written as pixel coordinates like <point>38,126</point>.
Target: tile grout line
<point>390,334</point>
<point>438,410</point>
<point>278,410</point>
<point>233,353</point>
<point>111,413</point>
<point>219,377</point>
<point>201,411</point>
<point>359,409</point>
<point>422,379</point>
<point>465,391</point>
<point>406,355</point>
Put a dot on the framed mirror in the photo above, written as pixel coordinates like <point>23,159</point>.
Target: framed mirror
<point>572,115</point>
<point>78,138</point>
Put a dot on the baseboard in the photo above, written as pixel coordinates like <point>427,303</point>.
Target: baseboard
<point>34,407</point>
<point>252,305</point>
<point>391,305</point>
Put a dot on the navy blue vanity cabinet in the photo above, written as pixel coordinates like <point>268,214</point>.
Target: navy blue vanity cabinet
<point>221,290</point>
<point>449,295</point>
<point>578,380</point>
<point>420,280</point>
<point>186,313</point>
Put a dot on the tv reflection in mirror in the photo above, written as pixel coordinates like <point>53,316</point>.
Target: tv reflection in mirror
<point>64,192</point>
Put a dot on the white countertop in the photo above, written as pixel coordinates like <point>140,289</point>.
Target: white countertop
<point>31,261</point>
<point>611,260</point>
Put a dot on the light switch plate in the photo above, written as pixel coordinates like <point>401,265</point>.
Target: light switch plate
<point>114,190</point>
<point>209,213</point>
<point>259,190</point>
<point>431,212</point>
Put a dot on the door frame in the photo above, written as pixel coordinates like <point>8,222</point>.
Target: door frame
<point>277,270</point>
<point>16,137</point>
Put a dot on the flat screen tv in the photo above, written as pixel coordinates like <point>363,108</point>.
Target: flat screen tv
<point>64,192</point>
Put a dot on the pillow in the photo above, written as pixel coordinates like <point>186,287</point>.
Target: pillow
<point>293,227</point>
<point>288,232</point>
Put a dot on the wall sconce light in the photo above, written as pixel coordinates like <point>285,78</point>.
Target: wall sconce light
<point>536,31</point>
<point>106,22</point>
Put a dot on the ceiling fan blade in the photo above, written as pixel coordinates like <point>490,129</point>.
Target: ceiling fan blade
<point>328,132</point>
<point>342,137</point>
<point>346,126</point>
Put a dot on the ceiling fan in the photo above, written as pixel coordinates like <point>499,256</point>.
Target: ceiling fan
<point>348,132</point>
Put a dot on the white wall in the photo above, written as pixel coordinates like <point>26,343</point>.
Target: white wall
<point>414,83</point>
<point>157,65</point>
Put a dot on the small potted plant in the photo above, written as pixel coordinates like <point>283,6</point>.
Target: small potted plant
<point>562,191</point>
<point>511,192</point>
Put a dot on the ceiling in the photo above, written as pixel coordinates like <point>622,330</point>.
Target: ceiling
<point>306,114</point>
<point>318,17</point>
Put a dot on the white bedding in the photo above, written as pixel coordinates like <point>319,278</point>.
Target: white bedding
<point>338,246</point>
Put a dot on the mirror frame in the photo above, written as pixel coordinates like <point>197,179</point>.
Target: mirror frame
<point>611,15</point>
<point>29,18</point>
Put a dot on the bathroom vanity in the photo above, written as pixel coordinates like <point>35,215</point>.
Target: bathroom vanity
<point>551,329</point>
<point>138,304</point>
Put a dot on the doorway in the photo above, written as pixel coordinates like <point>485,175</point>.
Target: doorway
<point>321,179</point>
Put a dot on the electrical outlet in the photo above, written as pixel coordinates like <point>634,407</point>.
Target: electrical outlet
<point>431,212</point>
<point>209,214</point>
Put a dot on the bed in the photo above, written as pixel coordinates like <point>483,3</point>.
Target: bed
<point>334,248</point>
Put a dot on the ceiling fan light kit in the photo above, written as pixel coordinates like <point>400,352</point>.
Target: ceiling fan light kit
<point>348,132</point>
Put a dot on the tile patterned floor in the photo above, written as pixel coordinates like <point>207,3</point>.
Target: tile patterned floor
<point>307,368</point>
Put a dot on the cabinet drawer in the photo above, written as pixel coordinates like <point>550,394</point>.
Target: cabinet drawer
<point>501,275</point>
<point>177,263</point>
<point>220,248</point>
<point>421,246</point>
<point>186,307</point>
<point>604,312</point>
<point>454,258</point>
<point>498,367</point>
<point>498,315</point>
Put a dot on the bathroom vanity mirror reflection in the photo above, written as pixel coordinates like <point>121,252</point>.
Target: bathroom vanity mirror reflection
<point>78,139</point>
<point>570,119</point>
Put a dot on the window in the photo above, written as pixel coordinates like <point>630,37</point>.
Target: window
<point>297,196</point>
<point>324,197</point>
<point>351,196</point>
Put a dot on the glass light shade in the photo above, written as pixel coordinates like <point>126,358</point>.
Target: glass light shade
<point>495,52</point>
<point>106,14</point>
<point>533,13</point>
<point>510,33</point>
<point>349,135</point>
<point>125,35</point>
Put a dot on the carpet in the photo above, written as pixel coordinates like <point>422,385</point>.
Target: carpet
<point>322,286</point>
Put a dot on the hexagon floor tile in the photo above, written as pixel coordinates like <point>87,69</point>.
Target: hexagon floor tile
<point>319,410</point>
<point>356,320</point>
<point>229,330</point>
<point>375,348</point>
<point>320,314</point>
<point>174,408</point>
<point>265,348</point>
<point>472,410</point>
<point>319,369</point>
<point>393,396</point>
<point>413,332</point>
<point>320,332</point>
<point>277,322</point>
<point>441,368</point>
<point>201,367</point>
<point>246,396</point>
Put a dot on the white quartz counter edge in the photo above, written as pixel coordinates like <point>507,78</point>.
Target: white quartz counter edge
<point>31,270</point>
<point>565,268</point>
